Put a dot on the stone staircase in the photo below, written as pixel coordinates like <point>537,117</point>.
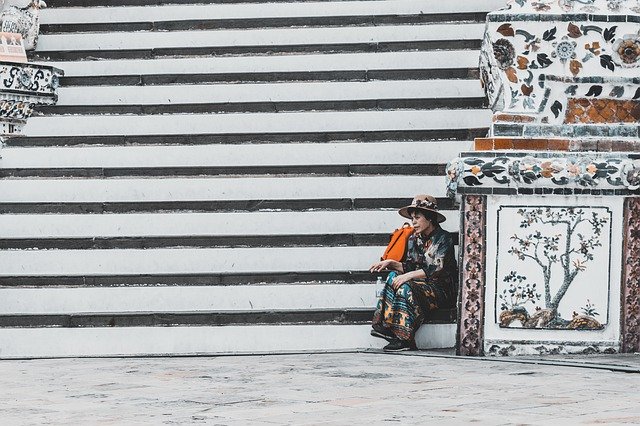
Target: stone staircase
<point>218,175</point>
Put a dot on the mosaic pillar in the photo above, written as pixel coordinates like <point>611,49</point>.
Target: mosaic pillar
<point>631,278</point>
<point>548,197</point>
<point>472,277</point>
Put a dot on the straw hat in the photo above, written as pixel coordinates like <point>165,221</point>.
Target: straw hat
<point>423,202</point>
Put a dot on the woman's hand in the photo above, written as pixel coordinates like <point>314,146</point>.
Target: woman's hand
<point>383,265</point>
<point>398,280</point>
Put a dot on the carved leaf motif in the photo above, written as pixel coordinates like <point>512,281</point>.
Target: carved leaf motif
<point>549,34</point>
<point>607,62</point>
<point>506,30</point>
<point>575,67</point>
<point>512,75</point>
<point>594,90</point>
<point>571,90</point>
<point>491,169</point>
<point>523,62</point>
<point>556,108</point>
<point>471,180</point>
<point>543,60</point>
<point>609,33</point>
<point>574,31</point>
<point>617,92</point>
<point>526,90</point>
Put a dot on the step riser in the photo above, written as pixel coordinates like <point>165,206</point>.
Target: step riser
<point>358,62</point>
<point>177,261</point>
<point>265,77</point>
<point>282,92</point>
<point>268,107</point>
<point>134,341</point>
<point>249,205</point>
<point>113,15</point>
<point>188,319</point>
<point>259,225</point>
<point>189,241</point>
<point>325,170</point>
<point>182,261</point>
<point>156,53</point>
<point>249,155</point>
<point>273,38</point>
<point>352,121</point>
<point>186,299</point>
<point>262,22</point>
<point>218,189</point>
<point>186,280</point>
<point>429,136</point>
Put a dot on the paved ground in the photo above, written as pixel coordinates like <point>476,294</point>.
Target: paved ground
<point>342,388</point>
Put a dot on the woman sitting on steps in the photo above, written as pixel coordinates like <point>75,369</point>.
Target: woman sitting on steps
<point>425,280</point>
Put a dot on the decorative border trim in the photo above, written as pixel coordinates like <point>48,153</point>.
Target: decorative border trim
<point>470,336</point>
<point>500,16</point>
<point>630,302</point>
<point>615,171</point>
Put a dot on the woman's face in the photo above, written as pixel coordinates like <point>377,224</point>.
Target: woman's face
<point>420,223</point>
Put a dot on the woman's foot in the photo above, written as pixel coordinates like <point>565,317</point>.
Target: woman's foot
<point>378,330</point>
<point>398,345</point>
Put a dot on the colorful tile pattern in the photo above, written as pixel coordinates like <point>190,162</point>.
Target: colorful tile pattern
<point>538,56</point>
<point>551,170</point>
<point>472,282</point>
<point>631,277</point>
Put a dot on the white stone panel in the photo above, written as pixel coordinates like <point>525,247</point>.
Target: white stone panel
<point>265,92</point>
<point>197,189</point>
<point>274,63</point>
<point>258,10</point>
<point>610,334</point>
<point>256,122</point>
<point>140,341</point>
<point>186,299</point>
<point>186,261</point>
<point>257,37</point>
<point>205,224</point>
<point>273,154</point>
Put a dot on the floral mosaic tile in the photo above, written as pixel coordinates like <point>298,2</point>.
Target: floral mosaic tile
<point>578,170</point>
<point>535,67</point>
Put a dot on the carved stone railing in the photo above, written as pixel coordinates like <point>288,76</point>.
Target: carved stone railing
<point>22,86</point>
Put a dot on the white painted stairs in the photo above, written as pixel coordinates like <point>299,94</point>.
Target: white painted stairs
<point>217,176</point>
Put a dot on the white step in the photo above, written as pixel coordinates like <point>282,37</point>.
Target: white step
<point>141,341</point>
<point>275,63</point>
<point>283,154</point>
<point>33,301</point>
<point>153,13</point>
<point>177,124</point>
<point>176,189</point>
<point>186,261</point>
<point>205,224</point>
<point>268,92</point>
<point>258,37</point>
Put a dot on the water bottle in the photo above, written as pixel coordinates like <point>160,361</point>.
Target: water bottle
<point>379,287</point>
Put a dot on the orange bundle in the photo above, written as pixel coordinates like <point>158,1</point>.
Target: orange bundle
<point>397,247</point>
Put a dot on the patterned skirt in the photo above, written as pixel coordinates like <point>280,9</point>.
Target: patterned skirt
<point>404,310</point>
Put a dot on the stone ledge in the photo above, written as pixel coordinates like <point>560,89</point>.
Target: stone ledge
<point>560,144</point>
<point>540,173</point>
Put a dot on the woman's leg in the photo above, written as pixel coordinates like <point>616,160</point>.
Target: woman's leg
<point>381,315</point>
<point>410,305</point>
<point>403,313</point>
<point>427,297</point>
